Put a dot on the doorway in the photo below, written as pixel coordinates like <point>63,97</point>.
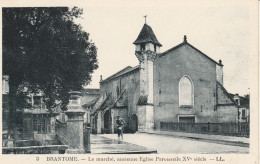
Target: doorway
<point>134,123</point>
<point>107,122</point>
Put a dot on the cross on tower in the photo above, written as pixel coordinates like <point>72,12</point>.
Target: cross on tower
<point>145,19</point>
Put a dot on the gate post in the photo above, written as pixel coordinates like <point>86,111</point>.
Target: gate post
<point>87,145</point>
<point>75,125</point>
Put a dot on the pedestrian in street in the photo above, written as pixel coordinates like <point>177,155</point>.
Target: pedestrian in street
<point>120,126</point>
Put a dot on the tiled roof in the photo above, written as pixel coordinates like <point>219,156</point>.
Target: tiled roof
<point>120,73</point>
<point>103,103</point>
<point>244,101</point>
<point>228,95</point>
<point>146,35</point>
<point>91,103</point>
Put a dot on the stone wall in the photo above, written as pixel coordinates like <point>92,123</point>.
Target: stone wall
<point>219,71</point>
<point>227,110</point>
<point>46,139</point>
<point>168,70</point>
<point>130,82</point>
<point>227,114</point>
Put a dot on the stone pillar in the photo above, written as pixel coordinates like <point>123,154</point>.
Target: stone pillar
<point>75,132</point>
<point>99,123</point>
<point>145,118</point>
<point>75,126</point>
<point>219,72</point>
<point>112,121</point>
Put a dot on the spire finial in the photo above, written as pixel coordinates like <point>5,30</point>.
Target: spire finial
<point>101,78</point>
<point>185,39</point>
<point>220,62</point>
<point>145,19</point>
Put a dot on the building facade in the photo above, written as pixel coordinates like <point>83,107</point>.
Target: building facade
<point>88,99</point>
<point>34,121</point>
<point>243,106</point>
<point>181,85</point>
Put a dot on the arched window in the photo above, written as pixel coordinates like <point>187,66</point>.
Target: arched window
<point>186,92</point>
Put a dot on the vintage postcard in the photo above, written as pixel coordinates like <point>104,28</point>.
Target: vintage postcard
<point>129,81</point>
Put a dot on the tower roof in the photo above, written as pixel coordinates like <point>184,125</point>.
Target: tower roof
<point>146,35</point>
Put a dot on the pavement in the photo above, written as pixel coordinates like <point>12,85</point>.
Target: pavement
<point>104,145</point>
<point>220,139</point>
<point>165,144</point>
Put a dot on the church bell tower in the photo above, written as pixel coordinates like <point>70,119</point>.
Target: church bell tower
<point>146,49</point>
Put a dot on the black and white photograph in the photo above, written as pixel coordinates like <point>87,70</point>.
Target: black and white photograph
<point>141,77</point>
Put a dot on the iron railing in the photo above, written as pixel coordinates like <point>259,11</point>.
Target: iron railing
<point>231,129</point>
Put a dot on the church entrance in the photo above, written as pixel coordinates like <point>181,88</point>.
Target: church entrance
<point>134,123</point>
<point>107,122</point>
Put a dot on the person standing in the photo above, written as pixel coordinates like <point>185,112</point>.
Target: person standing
<point>120,126</point>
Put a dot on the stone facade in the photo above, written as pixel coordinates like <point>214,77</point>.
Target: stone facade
<point>119,96</point>
<point>243,107</point>
<point>150,93</point>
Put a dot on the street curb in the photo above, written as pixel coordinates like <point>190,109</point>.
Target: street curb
<point>232,143</point>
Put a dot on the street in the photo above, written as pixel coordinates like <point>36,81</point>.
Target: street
<point>168,144</point>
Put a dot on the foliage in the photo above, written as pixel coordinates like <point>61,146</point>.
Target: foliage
<point>45,51</point>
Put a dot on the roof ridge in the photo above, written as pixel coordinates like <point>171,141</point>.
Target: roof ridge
<point>183,43</point>
<point>204,54</point>
<point>146,35</point>
<point>173,48</point>
<point>147,26</point>
<point>120,74</point>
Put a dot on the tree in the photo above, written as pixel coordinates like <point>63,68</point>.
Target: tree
<point>44,50</point>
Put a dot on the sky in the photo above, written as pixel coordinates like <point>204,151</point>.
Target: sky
<point>220,30</point>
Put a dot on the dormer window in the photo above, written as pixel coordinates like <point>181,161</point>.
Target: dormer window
<point>237,100</point>
<point>143,46</point>
<point>35,101</point>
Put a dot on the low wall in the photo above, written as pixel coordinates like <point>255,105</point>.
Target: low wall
<point>46,139</point>
<point>48,149</point>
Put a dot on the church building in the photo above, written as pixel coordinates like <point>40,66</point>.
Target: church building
<point>180,85</point>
